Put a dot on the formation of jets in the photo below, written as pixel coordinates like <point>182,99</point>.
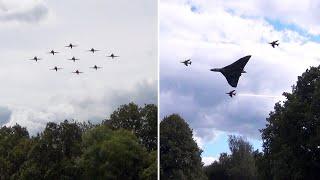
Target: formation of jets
<point>74,59</point>
<point>233,71</point>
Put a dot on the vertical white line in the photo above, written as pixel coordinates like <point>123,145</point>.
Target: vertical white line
<point>158,55</point>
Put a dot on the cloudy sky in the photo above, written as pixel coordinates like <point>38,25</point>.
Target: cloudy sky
<point>215,33</point>
<point>32,95</point>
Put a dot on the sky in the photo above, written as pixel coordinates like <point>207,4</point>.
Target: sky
<point>215,33</point>
<point>32,95</point>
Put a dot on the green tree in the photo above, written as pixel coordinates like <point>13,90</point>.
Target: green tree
<point>141,120</point>
<point>291,138</point>
<point>239,165</point>
<point>14,146</point>
<point>151,171</point>
<point>179,153</point>
<point>54,153</point>
<point>71,150</point>
<point>112,155</point>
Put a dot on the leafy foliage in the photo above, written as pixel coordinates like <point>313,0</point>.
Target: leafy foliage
<point>71,150</point>
<point>291,138</point>
<point>140,120</point>
<point>239,165</point>
<point>179,153</point>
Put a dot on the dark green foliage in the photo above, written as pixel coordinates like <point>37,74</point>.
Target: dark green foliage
<point>239,165</point>
<point>141,120</point>
<point>112,155</point>
<point>71,150</point>
<point>179,153</point>
<point>291,138</point>
<point>14,147</point>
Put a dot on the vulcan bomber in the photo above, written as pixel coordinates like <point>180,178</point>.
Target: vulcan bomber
<point>233,71</point>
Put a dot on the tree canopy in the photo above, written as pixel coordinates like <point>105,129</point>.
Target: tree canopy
<point>73,150</point>
<point>179,153</point>
<point>141,120</point>
<point>238,165</point>
<point>291,138</point>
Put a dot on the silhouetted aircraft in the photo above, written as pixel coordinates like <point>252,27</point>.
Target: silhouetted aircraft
<point>93,50</point>
<point>233,71</point>
<point>187,62</point>
<point>71,45</point>
<point>274,43</point>
<point>77,72</point>
<point>112,56</point>
<point>73,59</point>
<point>35,59</point>
<point>53,52</point>
<point>96,67</point>
<point>231,93</point>
<point>56,68</point>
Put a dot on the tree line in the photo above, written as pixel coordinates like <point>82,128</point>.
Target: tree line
<point>290,149</point>
<point>121,147</point>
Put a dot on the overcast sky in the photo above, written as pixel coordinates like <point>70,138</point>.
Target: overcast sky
<point>215,33</point>
<point>32,95</point>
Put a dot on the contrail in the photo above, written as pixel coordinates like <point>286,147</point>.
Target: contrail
<point>260,95</point>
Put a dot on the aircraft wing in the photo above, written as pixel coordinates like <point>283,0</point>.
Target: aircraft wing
<point>233,71</point>
<point>238,65</point>
<point>232,78</point>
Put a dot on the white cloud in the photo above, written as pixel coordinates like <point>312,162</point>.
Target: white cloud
<point>36,95</point>
<point>23,10</point>
<point>207,160</point>
<point>303,14</point>
<point>216,35</point>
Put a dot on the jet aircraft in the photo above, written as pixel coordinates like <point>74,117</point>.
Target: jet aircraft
<point>73,59</point>
<point>77,72</point>
<point>233,71</point>
<point>93,50</point>
<point>35,59</point>
<point>53,52</point>
<point>96,67</point>
<point>274,43</point>
<point>71,46</point>
<point>112,56</point>
<point>187,62</point>
<point>56,68</point>
<point>231,93</point>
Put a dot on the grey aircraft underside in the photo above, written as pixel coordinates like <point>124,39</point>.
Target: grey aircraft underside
<point>233,71</point>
